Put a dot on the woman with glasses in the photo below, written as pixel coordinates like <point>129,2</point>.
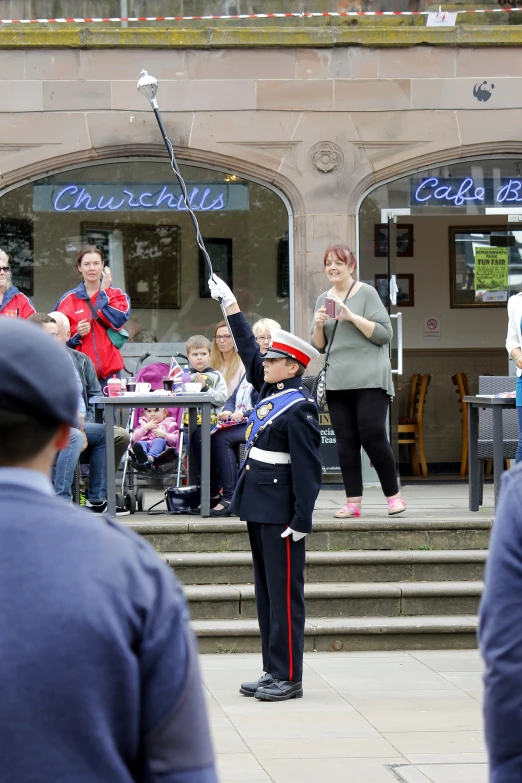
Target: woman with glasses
<point>12,302</point>
<point>224,443</point>
<point>225,358</point>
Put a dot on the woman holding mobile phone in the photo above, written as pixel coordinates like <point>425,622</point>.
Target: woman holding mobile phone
<point>359,385</point>
<point>93,308</point>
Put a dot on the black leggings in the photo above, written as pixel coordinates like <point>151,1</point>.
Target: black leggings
<point>358,418</point>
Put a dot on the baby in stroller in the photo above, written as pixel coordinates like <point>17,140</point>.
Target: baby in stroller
<point>156,432</point>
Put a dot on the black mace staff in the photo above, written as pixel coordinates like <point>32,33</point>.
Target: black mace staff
<point>148,86</point>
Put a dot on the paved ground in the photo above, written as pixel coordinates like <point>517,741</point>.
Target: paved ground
<point>373,717</point>
<point>421,498</point>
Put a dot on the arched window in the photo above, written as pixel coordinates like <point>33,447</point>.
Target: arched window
<point>132,209</point>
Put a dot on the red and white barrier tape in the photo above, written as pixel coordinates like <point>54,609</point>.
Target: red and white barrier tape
<point>299,15</point>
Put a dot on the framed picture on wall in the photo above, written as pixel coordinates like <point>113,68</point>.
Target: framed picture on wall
<point>148,257</point>
<point>405,294</point>
<point>220,252</point>
<point>16,238</point>
<point>152,266</point>
<point>98,235</point>
<point>404,240</point>
<point>485,265</point>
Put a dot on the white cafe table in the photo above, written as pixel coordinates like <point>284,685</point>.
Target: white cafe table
<point>105,407</point>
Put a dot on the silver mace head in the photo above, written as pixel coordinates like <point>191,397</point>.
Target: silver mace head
<point>148,86</point>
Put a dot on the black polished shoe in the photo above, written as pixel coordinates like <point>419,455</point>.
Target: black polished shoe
<point>221,512</point>
<point>280,690</point>
<point>196,512</point>
<point>139,454</point>
<point>250,688</point>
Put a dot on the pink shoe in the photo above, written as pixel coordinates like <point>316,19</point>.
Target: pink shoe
<point>348,510</point>
<point>396,506</point>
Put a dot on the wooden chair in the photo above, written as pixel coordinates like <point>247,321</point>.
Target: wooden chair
<point>460,380</point>
<point>411,427</point>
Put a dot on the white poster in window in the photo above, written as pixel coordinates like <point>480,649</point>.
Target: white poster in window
<point>432,327</point>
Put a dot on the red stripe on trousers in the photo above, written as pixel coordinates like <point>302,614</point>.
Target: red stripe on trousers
<point>288,609</point>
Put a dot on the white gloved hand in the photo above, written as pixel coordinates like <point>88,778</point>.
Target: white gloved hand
<point>295,535</point>
<point>220,290</point>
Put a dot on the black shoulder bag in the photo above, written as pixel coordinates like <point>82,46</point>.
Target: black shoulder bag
<point>319,387</point>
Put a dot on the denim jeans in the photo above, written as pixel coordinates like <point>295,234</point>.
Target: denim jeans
<point>96,451</point>
<point>154,447</point>
<point>223,459</point>
<point>66,463</point>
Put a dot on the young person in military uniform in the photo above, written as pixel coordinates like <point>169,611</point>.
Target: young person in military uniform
<point>98,665</point>
<point>276,492</point>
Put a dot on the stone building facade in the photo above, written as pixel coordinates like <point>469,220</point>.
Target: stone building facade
<point>317,117</point>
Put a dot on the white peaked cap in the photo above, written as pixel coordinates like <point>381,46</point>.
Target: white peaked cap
<point>286,344</point>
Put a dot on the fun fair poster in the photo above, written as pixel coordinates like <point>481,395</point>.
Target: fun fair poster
<point>491,274</point>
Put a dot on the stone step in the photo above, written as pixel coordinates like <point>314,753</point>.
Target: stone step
<point>349,633</point>
<point>343,599</point>
<point>202,568</point>
<point>437,532</point>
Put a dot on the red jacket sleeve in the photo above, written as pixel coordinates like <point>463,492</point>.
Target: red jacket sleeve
<point>113,307</point>
<point>26,307</point>
<point>67,307</point>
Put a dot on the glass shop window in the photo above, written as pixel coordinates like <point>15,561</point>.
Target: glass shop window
<point>133,211</point>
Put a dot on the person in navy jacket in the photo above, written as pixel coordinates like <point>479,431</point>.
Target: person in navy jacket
<point>12,302</point>
<point>500,635</point>
<point>98,665</point>
<point>111,308</point>
<point>224,442</point>
<point>276,492</point>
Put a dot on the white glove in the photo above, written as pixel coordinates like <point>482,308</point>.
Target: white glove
<point>295,535</point>
<point>220,290</point>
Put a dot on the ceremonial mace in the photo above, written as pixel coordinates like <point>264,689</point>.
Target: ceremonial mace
<point>148,86</point>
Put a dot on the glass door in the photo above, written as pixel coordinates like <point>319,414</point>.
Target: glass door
<point>393,300</point>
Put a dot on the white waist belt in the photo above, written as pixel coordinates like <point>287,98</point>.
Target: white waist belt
<point>271,457</point>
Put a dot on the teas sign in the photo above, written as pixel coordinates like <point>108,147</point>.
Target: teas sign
<point>329,451</point>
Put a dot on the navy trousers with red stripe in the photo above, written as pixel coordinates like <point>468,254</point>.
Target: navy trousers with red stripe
<point>279,565</point>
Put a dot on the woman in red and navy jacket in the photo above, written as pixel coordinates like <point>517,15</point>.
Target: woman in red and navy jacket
<point>12,302</point>
<point>111,310</point>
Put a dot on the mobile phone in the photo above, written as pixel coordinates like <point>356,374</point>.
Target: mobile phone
<point>331,307</point>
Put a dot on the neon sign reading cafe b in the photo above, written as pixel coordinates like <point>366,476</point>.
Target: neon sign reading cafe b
<point>463,192</point>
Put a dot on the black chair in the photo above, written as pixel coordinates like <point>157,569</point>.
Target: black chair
<point>309,382</point>
<point>493,384</point>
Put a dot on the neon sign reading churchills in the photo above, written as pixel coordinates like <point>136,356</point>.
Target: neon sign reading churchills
<point>113,197</point>
<point>437,192</point>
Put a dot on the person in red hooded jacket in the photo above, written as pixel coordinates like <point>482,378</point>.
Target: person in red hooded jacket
<point>12,302</point>
<point>111,308</point>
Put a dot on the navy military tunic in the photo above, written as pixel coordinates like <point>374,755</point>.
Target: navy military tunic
<point>271,498</point>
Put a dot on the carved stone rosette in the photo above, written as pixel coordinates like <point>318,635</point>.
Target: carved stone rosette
<point>325,156</point>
